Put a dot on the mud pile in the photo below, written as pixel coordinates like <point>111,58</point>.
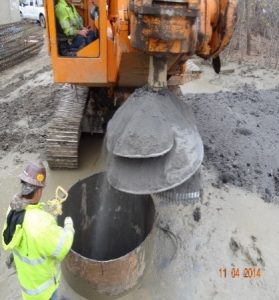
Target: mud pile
<point>241,137</point>
<point>24,120</point>
<point>153,143</point>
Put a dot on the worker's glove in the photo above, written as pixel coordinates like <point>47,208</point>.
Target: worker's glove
<point>69,224</point>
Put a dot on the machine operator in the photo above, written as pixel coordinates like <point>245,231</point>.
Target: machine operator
<point>72,25</point>
<point>37,243</point>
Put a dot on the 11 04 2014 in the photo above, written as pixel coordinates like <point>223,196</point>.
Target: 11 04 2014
<point>249,272</point>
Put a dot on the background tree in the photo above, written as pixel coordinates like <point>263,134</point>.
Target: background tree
<point>257,32</point>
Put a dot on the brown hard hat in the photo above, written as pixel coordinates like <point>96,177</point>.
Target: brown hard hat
<point>34,174</point>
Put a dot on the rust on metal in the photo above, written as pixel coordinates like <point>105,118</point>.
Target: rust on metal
<point>203,27</point>
<point>157,78</point>
<point>217,23</point>
<point>162,28</point>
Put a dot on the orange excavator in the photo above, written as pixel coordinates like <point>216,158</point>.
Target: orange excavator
<point>141,43</point>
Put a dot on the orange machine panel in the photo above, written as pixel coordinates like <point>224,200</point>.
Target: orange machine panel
<point>79,70</point>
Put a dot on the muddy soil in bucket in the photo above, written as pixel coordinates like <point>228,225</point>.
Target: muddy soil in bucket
<point>112,243</point>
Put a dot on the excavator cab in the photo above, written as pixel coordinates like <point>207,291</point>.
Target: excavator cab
<point>87,66</point>
<point>63,41</point>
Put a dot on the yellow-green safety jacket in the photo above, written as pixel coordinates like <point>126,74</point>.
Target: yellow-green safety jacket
<point>38,247</point>
<point>68,18</point>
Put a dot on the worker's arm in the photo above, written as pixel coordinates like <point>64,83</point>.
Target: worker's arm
<point>12,231</point>
<point>57,240</point>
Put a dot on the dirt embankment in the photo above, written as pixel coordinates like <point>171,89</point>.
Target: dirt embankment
<point>241,137</point>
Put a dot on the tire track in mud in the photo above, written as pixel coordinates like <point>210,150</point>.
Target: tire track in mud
<point>18,80</point>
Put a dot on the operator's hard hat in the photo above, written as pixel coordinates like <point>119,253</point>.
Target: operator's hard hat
<point>34,174</point>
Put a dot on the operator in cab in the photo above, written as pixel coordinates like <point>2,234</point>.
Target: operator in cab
<point>71,24</point>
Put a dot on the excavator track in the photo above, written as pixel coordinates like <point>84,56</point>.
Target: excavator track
<point>64,130</point>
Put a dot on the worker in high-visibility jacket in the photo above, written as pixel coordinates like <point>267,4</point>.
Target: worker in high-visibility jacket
<point>37,243</point>
<point>72,25</point>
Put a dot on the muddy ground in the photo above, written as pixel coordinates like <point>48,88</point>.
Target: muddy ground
<point>237,115</point>
<point>241,138</point>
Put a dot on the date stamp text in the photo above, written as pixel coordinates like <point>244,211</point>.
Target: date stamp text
<point>235,273</point>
